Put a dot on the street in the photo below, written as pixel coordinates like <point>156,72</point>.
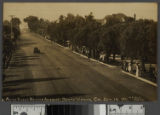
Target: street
<point>57,72</point>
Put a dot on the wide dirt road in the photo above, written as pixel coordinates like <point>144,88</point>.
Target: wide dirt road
<point>57,72</point>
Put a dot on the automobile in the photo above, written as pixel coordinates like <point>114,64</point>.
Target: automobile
<point>36,50</point>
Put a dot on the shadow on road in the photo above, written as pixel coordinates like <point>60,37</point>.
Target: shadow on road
<point>23,81</point>
<point>21,61</point>
<point>21,65</point>
<point>5,90</point>
<point>26,42</point>
<point>8,76</point>
<point>26,57</point>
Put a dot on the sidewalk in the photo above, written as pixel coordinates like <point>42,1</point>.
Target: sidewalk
<point>108,65</point>
<point>111,66</point>
<point>140,78</point>
<point>91,59</point>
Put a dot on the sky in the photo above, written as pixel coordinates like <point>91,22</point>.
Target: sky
<point>52,10</point>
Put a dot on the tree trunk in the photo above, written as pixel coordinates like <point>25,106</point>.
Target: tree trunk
<point>114,55</point>
<point>143,66</point>
<point>107,58</point>
<point>94,54</point>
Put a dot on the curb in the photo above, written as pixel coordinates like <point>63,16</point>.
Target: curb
<point>142,79</point>
<point>139,78</point>
<point>83,55</point>
<point>93,60</point>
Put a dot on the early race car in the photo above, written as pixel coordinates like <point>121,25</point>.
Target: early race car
<point>36,50</point>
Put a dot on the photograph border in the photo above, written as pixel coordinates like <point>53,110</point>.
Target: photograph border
<point>150,107</point>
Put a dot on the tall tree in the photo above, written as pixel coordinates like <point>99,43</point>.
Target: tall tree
<point>33,23</point>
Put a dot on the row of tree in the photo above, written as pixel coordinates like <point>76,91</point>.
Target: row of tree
<point>11,33</point>
<point>116,34</point>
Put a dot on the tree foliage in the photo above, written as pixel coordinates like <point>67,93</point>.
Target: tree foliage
<point>118,34</point>
<point>9,44</point>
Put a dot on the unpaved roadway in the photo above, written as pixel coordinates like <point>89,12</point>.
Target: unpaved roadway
<point>57,72</point>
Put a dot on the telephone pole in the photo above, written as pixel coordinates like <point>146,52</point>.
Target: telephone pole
<point>12,16</point>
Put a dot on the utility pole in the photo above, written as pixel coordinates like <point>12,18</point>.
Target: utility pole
<point>134,17</point>
<point>12,16</point>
